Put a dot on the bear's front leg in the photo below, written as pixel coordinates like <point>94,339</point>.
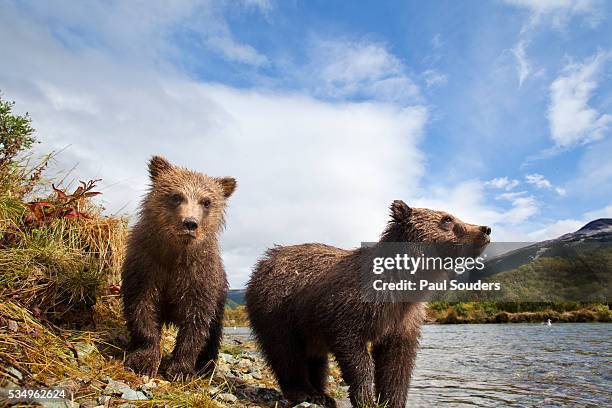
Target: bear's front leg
<point>394,359</point>
<point>141,310</point>
<point>357,370</point>
<point>192,336</point>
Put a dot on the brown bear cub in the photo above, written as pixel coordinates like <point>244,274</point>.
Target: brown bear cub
<point>173,272</point>
<point>304,301</point>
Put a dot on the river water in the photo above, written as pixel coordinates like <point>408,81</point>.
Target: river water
<point>519,365</point>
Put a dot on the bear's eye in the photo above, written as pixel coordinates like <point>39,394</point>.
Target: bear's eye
<point>176,198</point>
<point>447,220</point>
<point>205,202</point>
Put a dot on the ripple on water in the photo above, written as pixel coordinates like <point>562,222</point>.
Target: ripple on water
<point>514,365</point>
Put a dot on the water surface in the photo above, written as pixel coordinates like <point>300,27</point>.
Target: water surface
<point>519,365</point>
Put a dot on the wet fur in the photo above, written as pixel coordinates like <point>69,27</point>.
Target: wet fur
<point>171,276</point>
<point>304,302</point>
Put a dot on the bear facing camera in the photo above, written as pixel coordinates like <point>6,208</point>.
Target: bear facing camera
<point>173,271</point>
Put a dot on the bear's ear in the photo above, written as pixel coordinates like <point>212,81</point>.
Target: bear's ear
<point>400,211</point>
<point>228,184</point>
<point>157,166</point>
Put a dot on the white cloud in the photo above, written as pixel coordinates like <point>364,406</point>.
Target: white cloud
<point>540,182</point>
<point>605,212</point>
<point>436,41</point>
<point>146,28</point>
<point>345,68</point>
<point>523,65</point>
<point>233,51</point>
<point>556,229</point>
<point>572,120</point>
<point>502,182</point>
<point>307,170</point>
<point>434,78</point>
<point>510,196</point>
<point>558,13</point>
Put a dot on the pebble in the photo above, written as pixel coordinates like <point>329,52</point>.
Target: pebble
<point>89,404</point>
<point>12,326</point>
<point>84,349</point>
<point>116,387</point>
<point>15,372</point>
<point>227,358</point>
<point>227,397</point>
<point>58,403</point>
<point>132,395</point>
<point>69,385</point>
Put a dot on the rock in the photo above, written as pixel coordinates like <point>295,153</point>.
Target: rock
<point>245,365</point>
<point>12,326</point>
<point>148,385</point>
<point>227,358</point>
<point>58,403</point>
<point>84,349</point>
<point>227,397</point>
<point>251,355</point>
<point>132,395</point>
<point>212,391</point>
<point>256,374</point>
<point>104,400</point>
<point>224,370</point>
<point>116,387</point>
<point>268,394</point>
<point>126,405</point>
<point>147,394</point>
<point>8,384</point>
<point>343,403</point>
<point>247,377</point>
<point>307,405</point>
<point>15,373</point>
<point>89,404</point>
<point>69,385</point>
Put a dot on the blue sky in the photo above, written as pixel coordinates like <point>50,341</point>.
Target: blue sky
<point>325,111</point>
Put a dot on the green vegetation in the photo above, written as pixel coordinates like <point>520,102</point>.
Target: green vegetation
<point>60,259</point>
<point>517,312</point>
<point>236,315</point>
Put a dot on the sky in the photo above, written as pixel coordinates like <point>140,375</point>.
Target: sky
<point>499,112</point>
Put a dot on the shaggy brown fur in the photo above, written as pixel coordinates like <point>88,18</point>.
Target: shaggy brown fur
<point>304,302</point>
<point>173,271</point>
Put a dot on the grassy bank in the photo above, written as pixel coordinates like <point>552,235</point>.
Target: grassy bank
<point>490,312</point>
<point>506,312</point>
<point>60,309</point>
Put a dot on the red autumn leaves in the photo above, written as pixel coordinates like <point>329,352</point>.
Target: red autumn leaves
<point>65,205</point>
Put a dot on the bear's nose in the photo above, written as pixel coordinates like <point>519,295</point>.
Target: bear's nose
<point>190,223</point>
<point>486,230</point>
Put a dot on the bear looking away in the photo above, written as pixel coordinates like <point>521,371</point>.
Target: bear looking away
<point>173,271</point>
<point>304,301</point>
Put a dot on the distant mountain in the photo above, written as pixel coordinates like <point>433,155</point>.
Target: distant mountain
<point>573,267</point>
<point>235,297</point>
<point>593,235</point>
<point>598,229</point>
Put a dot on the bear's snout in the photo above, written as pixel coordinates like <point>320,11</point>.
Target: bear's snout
<point>485,230</point>
<point>190,223</point>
